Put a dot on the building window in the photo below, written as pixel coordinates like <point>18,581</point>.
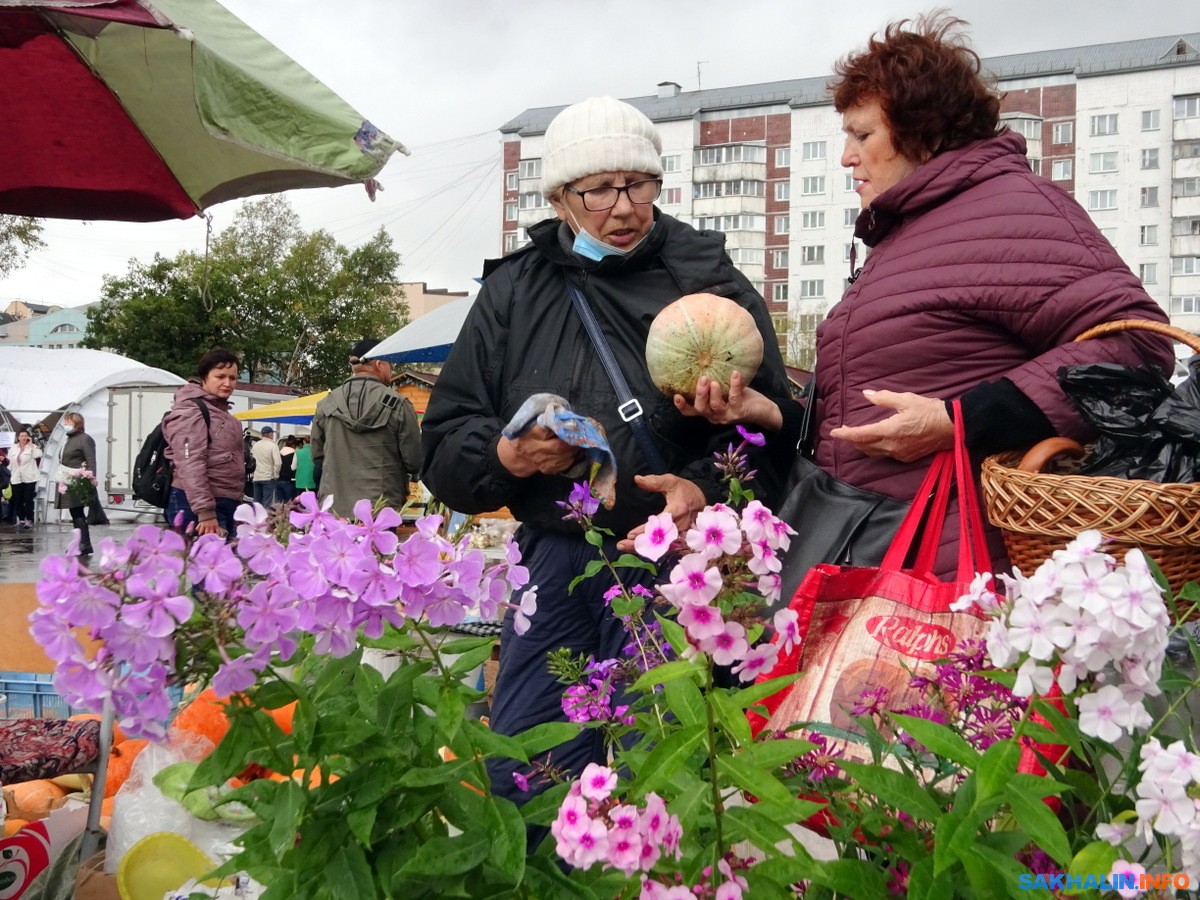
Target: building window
<point>779,259</point>
<point>746,256</point>
<point>812,150</point>
<point>779,291</point>
<point>1185,265</point>
<point>783,157</point>
<point>782,224</point>
<point>1150,158</point>
<point>850,216</point>
<point>1186,149</point>
<point>671,197</point>
<point>511,181</point>
<point>1063,170</point>
<point>812,255</point>
<point>1185,187</point>
<point>1063,133</point>
<point>814,287</point>
<point>1027,128</point>
<point>1102,199</point>
<point>1149,196</point>
<point>533,200</point>
<point>510,242</point>
<point>849,182</point>
<point>1110,235</point>
<point>531,168</point>
<point>1148,236</point>
<point>1187,107</point>
<point>1184,227</point>
<point>1150,120</point>
<point>1102,162</point>
<point>741,222</point>
<point>742,188</point>
<point>1181,305</point>
<point>846,251</point>
<point>1106,124</point>
<point>812,219</point>
<point>783,190</point>
<point>510,212</point>
<point>731,153</point>
<point>671,163</point>
<point>1148,273</point>
<point>814,184</point>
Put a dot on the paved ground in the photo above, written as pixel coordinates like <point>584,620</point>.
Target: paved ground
<point>21,552</point>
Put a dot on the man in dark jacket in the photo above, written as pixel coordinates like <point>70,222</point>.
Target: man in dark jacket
<point>365,437</point>
<point>524,336</point>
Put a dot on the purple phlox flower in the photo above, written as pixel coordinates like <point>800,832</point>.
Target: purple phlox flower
<point>213,564</point>
<point>163,545</point>
<point>787,626</point>
<point>526,610</point>
<point>375,583</point>
<point>269,612</point>
<point>418,561</point>
<point>445,605</point>
<point>331,619</point>
<point>897,883</point>
<point>161,610</point>
<point>716,531</point>
<point>701,621</point>
<point>760,659</point>
<point>135,646</point>
<point>83,682</point>
<point>521,781</point>
<point>314,513</point>
<point>379,530</point>
<point>264,555</point>
<point>371,618</point>
<point>60,577</point>
<point>252,518</point>
<point>657,537</point>
<point>303,571</point>
<point>584,703</point>
<point>751,437</point>
<point>692,581</point>
<point>613,593</point>
<point>644,649</point>
<point>428,526</point>
<point>466,571</point>
<point>728,646</point>
<point>339,554</point>
<point>235,675</point>
<point>642,591</point>
<point>580,504</point>
<point>111,556</point>
<point>55,636</point>
<point>89,606</point>
<point>517,575</point>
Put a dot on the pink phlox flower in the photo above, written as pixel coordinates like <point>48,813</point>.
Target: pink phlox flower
<point>264,555</point>
<point>444,605</point>
<point>757,521</point>
<point>692,581</point>
<point>728,646</point>
<point>597,782</point>
<point>1125,867</point>
<point>624,850</point>
<point>526,610</point>
<point>701,621</point>
<point>213,564</point>
<point>787,626</point>
<point>314,513</point>
<point>517,575</point>
<point>783,533</point>
<point>654,817</point>
<point>1114,833</point>
<point>236,675</point>
<point>763,558</point>
<point>659,534</point>
<point>672,834</point>
<point>418,561</point>
<point>624,817</point>
<point>252,518</point>
<point>136,646</point>
<point>590,847</point>
<point>733,880</point>
<point>770,586</point>
<point>716,531</point>
<point>760,659</point>
<point>572,819</point>
<point>55,636</point>
<point>379,529</point>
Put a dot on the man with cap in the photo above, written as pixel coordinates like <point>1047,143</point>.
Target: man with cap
<point>601,172</point>
<point>267,463</point>
<point>366,442</point>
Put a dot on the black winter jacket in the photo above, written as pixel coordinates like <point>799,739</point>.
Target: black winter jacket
<point>523,336</point>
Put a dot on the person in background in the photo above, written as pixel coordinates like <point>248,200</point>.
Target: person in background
<point>303,467</point>
<point>79,451</point>
<point>8,514</point>
<point>365,437</point>
<point>209,456</point>
<point>23,460</point>
<point>267,464</point>
<point>287,471</point>
<point>601,172</point>
<point>980,276</point>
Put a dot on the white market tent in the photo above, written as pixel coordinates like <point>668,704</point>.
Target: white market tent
<point>427,338</point>
<point>39,385</point>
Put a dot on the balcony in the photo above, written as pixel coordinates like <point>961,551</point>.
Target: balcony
<point>1186,168</point>
<point>729,206</point>
<point>1186,129</point>
<point>1185,245</point>
<point>1185,207</point>
<point>730,171</point>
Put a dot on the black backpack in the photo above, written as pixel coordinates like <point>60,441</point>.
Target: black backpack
<point>152,471</point>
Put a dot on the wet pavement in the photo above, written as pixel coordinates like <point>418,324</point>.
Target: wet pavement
<point>22,551</point>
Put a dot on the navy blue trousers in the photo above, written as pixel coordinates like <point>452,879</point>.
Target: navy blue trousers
<point>526,693</point>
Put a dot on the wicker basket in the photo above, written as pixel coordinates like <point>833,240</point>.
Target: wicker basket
<point>1041,511</point>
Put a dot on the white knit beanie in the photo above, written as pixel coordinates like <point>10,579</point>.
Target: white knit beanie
<point>600,134</point>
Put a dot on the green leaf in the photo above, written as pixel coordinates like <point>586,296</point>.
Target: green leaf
<point>546,736</point>
<point>923,883</point>
<point>506,826</point>
<point>348,875</point>
<point>490,743</point>
<point>747,823</point>
<point>543,808</point>
<point>731,715</point>
<point>940,739</point>
<point>684,700</point>
<point>632,561</point>
<point>1094,858</point>
<point>449,855</point>
<point>428,776</point>
<point>285,817</point>
<point>770,754</point>
<point>752,779</point>
<point>1009,872</point>
<point>668,757</point>
<point>667,672</point>
<point>469,660</point>
<point>674,634</point>
<point>996,769</point>
<point>595,566</point>
<point>594,538</point>
<point>748,696</point>
<point>894,788</point>
<point>981,875</point>
<point>1042,825</point>
<point>855,878</point>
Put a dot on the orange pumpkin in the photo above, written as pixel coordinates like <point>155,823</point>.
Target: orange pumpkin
<point>120,764</point>
<point>702,334</point>
<point>12,826</point>
<point>33,799</point>
<point>283,716</point>
<point>204,715</point>
<point>118,735</point>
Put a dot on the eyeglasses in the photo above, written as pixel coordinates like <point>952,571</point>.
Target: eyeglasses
<point>601,198</point>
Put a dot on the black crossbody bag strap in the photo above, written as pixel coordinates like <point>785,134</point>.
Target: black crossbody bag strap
<point>629,408</point>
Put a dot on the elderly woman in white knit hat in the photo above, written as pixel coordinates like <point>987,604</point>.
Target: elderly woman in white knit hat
<point>612,255</point>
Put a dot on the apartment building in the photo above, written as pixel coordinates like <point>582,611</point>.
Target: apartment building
<point>1116,125</point>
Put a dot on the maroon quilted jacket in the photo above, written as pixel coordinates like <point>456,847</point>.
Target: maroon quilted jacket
<point>210,461</point>
<point>979,270</point>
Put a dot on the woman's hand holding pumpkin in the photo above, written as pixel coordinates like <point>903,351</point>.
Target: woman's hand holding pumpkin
<point>744,405</point>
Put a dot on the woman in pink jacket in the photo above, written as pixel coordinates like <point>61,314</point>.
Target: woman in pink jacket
<point>204,442</point>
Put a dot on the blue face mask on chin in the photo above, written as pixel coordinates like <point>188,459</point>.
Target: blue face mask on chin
<point>594,249</point>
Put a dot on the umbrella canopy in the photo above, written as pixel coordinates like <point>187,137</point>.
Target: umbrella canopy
<point>294,410</point>
<point>427,339</point>
<point>143,110</point>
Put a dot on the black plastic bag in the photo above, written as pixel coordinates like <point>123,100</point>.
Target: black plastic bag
<point>1148,428</point>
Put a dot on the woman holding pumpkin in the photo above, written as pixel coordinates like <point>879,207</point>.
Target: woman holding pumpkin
<point>980,276</point>
<point>601,172</point>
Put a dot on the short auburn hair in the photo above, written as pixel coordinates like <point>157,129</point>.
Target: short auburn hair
<point>214,358</point>
<point>928,82</point>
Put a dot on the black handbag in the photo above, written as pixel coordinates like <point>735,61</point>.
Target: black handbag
<point>835,522</point>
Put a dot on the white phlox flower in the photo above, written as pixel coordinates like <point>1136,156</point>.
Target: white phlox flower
<point>1033,679</point>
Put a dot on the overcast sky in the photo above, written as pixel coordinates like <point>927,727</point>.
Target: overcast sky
<point>442,75</point>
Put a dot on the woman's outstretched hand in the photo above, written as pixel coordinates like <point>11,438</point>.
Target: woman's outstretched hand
<point>684,500</point>
<point>920,427</point>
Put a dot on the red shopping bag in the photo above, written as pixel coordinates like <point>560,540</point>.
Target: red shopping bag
<point>865,627</point>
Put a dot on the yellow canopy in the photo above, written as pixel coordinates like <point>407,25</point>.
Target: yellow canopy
<point>296,410</point>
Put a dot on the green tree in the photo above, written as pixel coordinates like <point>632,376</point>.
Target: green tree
<point>289,302</point>
<point>19,236</point>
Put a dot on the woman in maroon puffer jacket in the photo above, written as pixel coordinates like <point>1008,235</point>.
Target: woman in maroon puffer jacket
<point>979,277</point>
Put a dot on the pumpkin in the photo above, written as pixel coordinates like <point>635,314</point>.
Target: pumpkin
<point>283,716</point>
<point>12,826</point>
<point>204,715</point>
<point>33,799</point>
<point>120,764</point>
<point>702,334</point>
